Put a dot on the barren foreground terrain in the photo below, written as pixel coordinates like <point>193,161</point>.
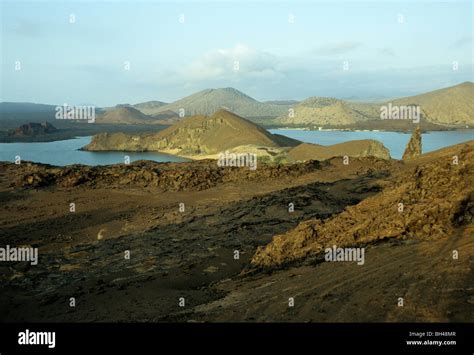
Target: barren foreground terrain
<point>183,224</point>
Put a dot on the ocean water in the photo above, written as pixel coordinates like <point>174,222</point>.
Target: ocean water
<point>66,152</point>
<point>394,141</point>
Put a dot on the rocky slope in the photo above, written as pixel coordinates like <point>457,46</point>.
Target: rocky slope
<point>432,198</point>
<point>357,148</point>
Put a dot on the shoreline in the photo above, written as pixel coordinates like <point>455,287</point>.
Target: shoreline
<point>363,130</point>
<point>190,158</point>
<point>66,136</point>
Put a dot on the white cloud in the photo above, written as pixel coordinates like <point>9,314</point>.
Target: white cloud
<point>220,64</point>
<point>266,76</point>
<point>338,48</point>
<point>386,51</point>
<point>26,28</point>
<point>462,42</point>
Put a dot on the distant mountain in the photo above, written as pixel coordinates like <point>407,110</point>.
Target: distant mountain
<point>282,102</point>
<point>452,106</point>
<point>206,102</point>
<point>146,107</point>
<point>125,115</point>
<point>194,136</point>
<point>149,107</point>
<point>26,107</point>
<point>328,112</point>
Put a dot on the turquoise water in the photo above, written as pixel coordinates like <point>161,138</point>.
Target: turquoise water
<point>66,152</point>
<point>395,141</point>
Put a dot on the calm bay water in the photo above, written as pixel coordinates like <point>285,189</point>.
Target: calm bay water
<point>66,152</point>
<point>394,141</point>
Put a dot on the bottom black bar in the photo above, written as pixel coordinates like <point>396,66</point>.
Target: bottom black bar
<point>383,338</point>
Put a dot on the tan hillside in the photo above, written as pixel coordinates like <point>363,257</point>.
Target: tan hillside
<point>125,115</point>
<point>329,112</point>
<point>357,148</point>
<point>196,135</point>
<point>453,106</point>
<point>437,198</point>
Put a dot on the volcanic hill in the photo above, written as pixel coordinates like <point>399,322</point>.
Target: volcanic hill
<point>194,136</point>
<point>207,102</point>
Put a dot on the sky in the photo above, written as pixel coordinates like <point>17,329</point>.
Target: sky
<point>109,52</point>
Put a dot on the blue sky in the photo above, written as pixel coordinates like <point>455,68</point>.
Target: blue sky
<point>85,62</point>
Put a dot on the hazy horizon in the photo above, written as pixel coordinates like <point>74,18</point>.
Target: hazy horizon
<point>368,100</point>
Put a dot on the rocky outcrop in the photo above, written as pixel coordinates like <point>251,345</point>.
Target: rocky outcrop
<point>357,148</point>
<point>428,200</point>
<point>187,176</point>
<point>413,148</point>
<point>33,129</point>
